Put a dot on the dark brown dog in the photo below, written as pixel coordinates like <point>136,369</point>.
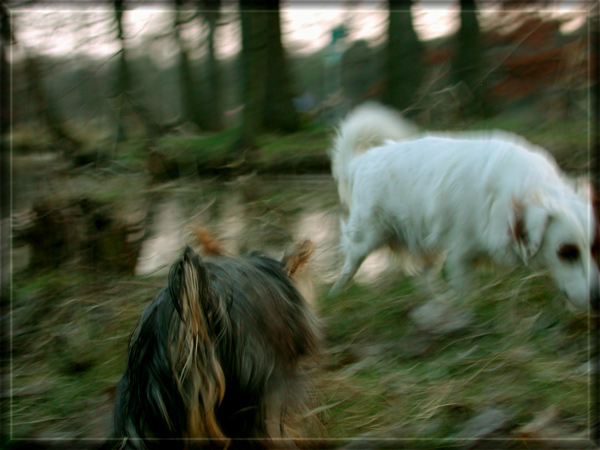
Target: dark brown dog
<point>218,358</point>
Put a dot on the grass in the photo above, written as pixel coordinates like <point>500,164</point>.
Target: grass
<point>71,345</point>
<point>522,352</point>
<point>568,140</point>
<point>207,148</point>
<point>313,140</point>
<point>306,150</point>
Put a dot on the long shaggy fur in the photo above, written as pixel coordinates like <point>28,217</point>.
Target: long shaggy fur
<point>464,196</point>
<point>370,125</point>
<point>217,359</point>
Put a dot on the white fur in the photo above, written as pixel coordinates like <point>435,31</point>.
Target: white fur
<point>467,196</point>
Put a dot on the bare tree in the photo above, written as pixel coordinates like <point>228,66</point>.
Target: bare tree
<point>124,82</point>
<point>254,67</point>
<point>211,14</point>
<point>267,88</point>
<point>404,56</point>
<point>7,38</point>
<point>466,63</point>
<point>188,82</point>
<point>201,104</point>
<point>595,111</point>
<point>48,110</point>
<point>123,78</point>
<point>279,113</point>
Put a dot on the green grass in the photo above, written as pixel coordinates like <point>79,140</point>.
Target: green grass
<point>217,150</point>
<point>74,350</point>
<point>309,141</point>
<point>207,148</point>
<point>568,140</point>
<point>520,353</point>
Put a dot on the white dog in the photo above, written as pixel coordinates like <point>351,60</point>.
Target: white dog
<point>465,196</point>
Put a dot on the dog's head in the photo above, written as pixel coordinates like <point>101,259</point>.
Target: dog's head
<point>561,236</point>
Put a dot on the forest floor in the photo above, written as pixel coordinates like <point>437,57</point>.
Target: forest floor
<point>304,152</point>
<point>404,365</point>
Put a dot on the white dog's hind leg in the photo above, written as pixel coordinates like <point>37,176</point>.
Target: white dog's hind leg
<point>429,279</point>
<point>357,246</point>
<point>351,265</point>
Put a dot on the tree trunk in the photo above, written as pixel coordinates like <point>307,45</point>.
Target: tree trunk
<point>595,113</point>
<point>123,79</point>
<point>467,60</point>
<point>124,85</point>
<point>279,113</point>
<point>214,120</point>
<point>254,67</point>
<point>50,114</point>
<point>6,39</point>
<point>189,94</point>
<point>404,57</point>
<point>267,89</point>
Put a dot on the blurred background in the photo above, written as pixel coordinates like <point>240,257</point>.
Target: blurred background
<point>126,126</point>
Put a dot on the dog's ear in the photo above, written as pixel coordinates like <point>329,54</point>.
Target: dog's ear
<point>187,281</point>
<point>587,191</point>
<point>527,227</point>
<point>210,245</point>
<point>298,257</point>
<point>198,374</point>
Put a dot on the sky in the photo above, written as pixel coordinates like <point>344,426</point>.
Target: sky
<point>65,32</point>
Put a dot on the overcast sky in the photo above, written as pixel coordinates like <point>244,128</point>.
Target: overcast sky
<point>60,32</point>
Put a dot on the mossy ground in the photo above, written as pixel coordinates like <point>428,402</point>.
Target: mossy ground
<point>523,351</point>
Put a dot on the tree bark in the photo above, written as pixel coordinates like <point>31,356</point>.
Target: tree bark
<point>124,84</point>
<point>404,57</point>
<point>254,67</point>
<point>189,94</point>
<point>279,113</point>
<point>7,40</point>
<point>211,14</point>
<point>123,79</point>
<point>50,113</point>
<point>267,88</point>
<point>467,60</point>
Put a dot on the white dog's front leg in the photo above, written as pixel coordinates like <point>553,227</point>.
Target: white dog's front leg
<point>459,269</point>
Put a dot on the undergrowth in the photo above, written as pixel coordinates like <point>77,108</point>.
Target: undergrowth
<point>522,351</point>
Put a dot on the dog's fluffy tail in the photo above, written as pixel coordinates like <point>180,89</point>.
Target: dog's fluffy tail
<point>367,126</point>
